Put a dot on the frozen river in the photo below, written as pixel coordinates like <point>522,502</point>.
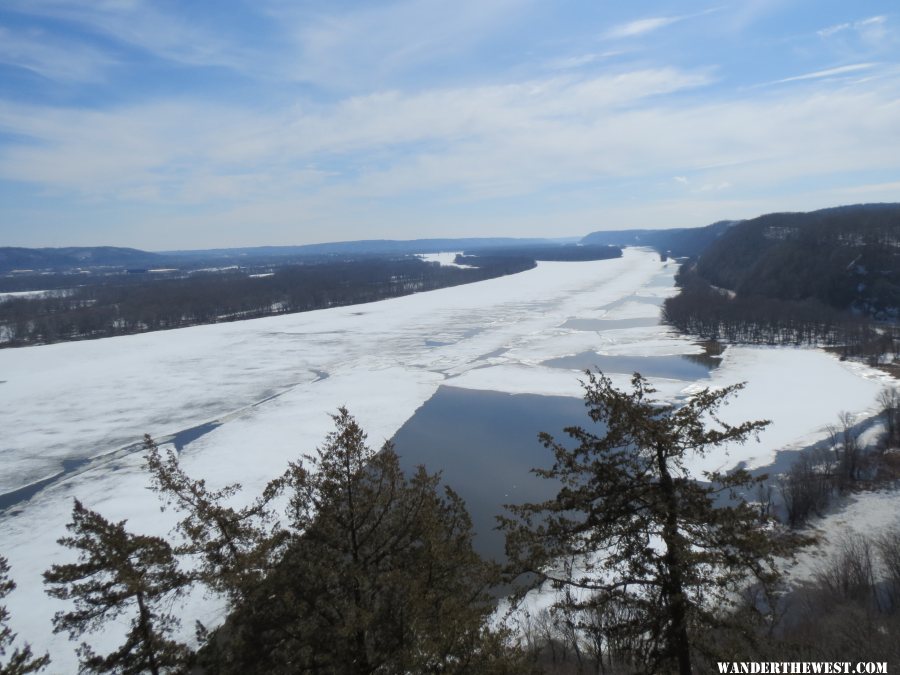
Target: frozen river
<point>242,399</point>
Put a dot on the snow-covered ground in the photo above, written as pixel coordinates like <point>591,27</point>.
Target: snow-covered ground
<point>272,383</point>
<point>445,258</point>
<point>32,295</point>
<point>869,514</point>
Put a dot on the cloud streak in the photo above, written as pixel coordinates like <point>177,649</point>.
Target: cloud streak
<point>828,72</point>
<point>451,147</point>
<point>63,62</point>
<point>872,32</point>
<point>141,25</point>
<point>641,27</point>
<point>378,42</point>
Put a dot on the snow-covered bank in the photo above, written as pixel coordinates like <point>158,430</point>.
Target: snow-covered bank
<point>868,514</point>
<point>801,391</point>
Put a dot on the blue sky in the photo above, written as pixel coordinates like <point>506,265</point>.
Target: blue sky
<point>167,125</point>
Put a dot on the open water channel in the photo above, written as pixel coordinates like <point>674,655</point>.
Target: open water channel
<point>485,443</point>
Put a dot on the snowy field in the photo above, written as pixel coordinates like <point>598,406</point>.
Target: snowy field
<point>32,295</point>
<point>444,259</point>
<point>271,383</point>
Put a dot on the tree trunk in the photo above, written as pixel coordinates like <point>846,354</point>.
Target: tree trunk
<point>147,634</point>
<point>673,589</point>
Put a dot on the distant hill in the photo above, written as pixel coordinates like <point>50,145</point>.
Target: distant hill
<point>370,247</point>
<point>684,242</point>
<point>846,257</point>
<point>13,258</point>
<point>86,257</point>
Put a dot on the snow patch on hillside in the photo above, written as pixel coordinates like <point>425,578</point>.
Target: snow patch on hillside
<point>444,259</point>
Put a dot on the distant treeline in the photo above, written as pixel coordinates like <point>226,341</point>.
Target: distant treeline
<point>111,258</point>
<point>712,313</point>
<point>134,303</point>
<point>72,257</point>
<point>550,253</point>
<point>829,278</point>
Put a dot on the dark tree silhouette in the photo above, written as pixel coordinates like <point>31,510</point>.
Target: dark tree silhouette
<point>379,576</point>
<point>118,572</point>
<point>234,546</point>
<point>633,534</point>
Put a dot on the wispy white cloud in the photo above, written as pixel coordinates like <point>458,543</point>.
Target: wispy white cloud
<point>833,30</point>
<point>580,60</point>
<point>142,25</point>
<point>641,26</point>
<point>161,146</point>
<point>473,143</point>
<point>872,21</point>
<point>829,72</point>
<point>56,60</point>
<point>370,44</point>
<point>874,31</point>
<point>871,29</point>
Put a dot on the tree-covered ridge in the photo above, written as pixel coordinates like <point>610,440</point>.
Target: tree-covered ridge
<point>18,258</point>
<point>847,258</point>
<point>125,304</point>
<point>679,242</point>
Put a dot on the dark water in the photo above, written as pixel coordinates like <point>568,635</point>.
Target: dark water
<point>26,492</point>
<point>676,367</point>
<point>485,443</point>
<point>188,436</point>
<point>75,465</point>
<point>609,324</point>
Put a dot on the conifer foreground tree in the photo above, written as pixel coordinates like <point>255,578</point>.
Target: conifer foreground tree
<point>233,546</point>
<point>118,572</point>
<point>379,576</point>
<point>633,540</point>
<point>21,660</point>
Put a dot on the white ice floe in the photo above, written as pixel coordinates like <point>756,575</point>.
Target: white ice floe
<point>802,392</point>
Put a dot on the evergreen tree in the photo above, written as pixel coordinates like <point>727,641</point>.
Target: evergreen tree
<point>379,575</point>
<point>633,536</point>
<point>118,572</point>
<point>21,660</point>
<point>234,546</point>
